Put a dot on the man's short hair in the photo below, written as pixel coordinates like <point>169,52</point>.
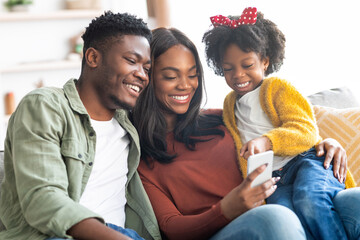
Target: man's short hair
<point>103,29</point>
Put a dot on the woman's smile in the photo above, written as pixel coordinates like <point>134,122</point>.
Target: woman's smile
<point>181,98</point>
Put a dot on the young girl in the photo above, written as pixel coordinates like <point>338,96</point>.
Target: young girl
<point>270,114</point>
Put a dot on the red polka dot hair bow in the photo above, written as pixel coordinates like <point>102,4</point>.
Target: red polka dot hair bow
<point>248,17</point>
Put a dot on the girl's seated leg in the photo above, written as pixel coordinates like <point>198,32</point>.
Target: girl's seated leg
<point>314,188</point>
<point>284,192</point>
<point>282,195</point>
<point>265,222</point>
<point>347,205</point>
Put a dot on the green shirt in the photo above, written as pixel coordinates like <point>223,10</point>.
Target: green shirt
<point>49,154</point>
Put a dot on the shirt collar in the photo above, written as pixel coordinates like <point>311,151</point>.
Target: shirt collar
<point>77,105</point>
<point>73,97</point>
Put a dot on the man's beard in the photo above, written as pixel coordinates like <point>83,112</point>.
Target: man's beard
<point>120,104</point>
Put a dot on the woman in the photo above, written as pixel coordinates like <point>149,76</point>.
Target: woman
<point>189,167</point>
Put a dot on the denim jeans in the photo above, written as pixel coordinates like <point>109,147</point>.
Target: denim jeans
<point>308,189</point>
<point>347,205</point>
<point>268,222</point>
<point>126,231</point>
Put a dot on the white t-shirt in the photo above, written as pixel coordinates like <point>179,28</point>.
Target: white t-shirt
<point>253,122</point>
<point>105,191</point>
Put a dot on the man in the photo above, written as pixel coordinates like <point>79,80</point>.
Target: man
<point>71,154</point>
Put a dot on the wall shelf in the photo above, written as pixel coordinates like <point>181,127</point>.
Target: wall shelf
<point>39,66</point>
<point>61,14</point>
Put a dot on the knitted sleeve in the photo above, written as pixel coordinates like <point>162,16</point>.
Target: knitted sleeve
<point>292,116</point>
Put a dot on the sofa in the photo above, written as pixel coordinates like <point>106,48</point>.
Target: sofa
<point>338,116</point>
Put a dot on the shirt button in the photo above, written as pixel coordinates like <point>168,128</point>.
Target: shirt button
<point>79,156</point>
<point>90,163</point>
<point>91,134</point>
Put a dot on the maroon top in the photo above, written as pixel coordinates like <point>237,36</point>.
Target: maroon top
<point>186,193</point>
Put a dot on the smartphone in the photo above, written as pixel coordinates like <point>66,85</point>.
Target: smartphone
<point>255,161</point>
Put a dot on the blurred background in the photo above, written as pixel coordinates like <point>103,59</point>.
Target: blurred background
<point>40,42</point>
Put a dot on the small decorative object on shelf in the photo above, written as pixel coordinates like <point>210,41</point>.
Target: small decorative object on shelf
<point>83,4</point>
<point>9,103</point>
<point>77,45</point>
<point>18,5</point>
<point>39,84</point>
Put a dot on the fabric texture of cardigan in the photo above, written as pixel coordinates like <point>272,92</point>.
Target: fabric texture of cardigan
<point>295,129</point>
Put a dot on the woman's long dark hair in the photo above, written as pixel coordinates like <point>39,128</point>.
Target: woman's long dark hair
<point>147,114</point>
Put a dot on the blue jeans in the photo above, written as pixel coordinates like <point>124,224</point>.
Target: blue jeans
<point>308,189</point>
<point>268,222</point>
<point>347,205</point>
<point>126,231</point>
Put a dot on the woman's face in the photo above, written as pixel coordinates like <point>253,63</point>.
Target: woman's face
<point>175,79</point>
<point>243,71</point>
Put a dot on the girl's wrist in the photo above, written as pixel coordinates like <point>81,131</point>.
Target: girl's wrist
<point>268,143</point>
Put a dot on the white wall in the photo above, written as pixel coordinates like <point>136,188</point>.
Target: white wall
<point>44,41</point>
<point>322,39</point>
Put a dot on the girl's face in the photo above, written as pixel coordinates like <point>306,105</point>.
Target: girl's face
<point>243,71</point>
<point>175,79</point>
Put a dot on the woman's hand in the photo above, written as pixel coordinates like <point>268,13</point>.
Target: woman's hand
<point>336,153</point>
<point>257,145</point>
<point>243,197</point>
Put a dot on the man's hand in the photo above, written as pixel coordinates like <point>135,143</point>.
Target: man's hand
<point>92,228</point>
<point>336,153</point>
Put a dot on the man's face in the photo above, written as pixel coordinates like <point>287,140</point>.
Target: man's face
<point>123,72</point>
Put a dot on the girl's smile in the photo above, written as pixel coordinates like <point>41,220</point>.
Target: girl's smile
<point>241,85</point>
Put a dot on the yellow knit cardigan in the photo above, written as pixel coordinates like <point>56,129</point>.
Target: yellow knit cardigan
<point>292,116</point>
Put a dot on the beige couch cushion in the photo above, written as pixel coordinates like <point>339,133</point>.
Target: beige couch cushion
<point>344,126</point>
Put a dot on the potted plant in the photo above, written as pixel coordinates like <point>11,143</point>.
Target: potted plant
<point>18,5</point>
